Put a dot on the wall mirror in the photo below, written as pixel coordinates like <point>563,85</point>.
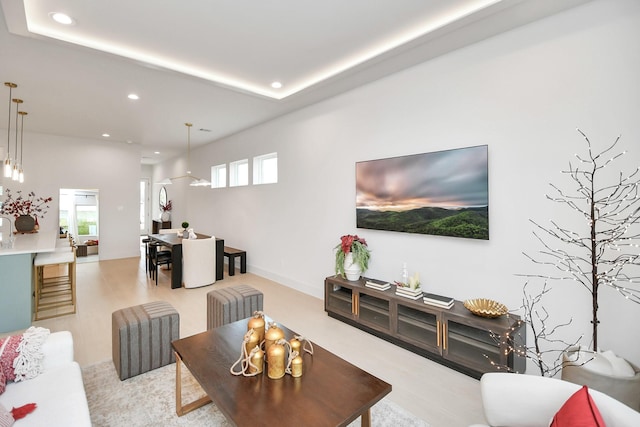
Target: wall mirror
<point>163,197</point>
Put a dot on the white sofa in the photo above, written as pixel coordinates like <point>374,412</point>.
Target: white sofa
<point>518,400</point>
<point>58,391</point>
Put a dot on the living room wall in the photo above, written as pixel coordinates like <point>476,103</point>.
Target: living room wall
<point>53,162</point>
<point>522,93</point>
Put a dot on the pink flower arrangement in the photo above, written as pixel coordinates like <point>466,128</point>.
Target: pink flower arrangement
<point>31,205</point>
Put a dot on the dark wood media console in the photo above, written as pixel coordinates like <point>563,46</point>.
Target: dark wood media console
<point>453,337</point>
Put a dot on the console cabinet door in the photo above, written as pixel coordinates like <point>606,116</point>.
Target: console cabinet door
<point>470,344</point>
<point>373,311</point>
<point>340,300</point>
<point>419,326</point>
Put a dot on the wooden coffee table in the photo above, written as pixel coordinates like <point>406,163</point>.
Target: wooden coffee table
<point>331,391</point>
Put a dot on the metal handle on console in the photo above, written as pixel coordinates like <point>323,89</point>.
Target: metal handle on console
<point>444,335</point>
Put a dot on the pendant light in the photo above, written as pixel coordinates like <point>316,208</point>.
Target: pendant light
<point>15,170</point>
<point>195,181</point>
<point>7,161</point>
<point>21,172</point>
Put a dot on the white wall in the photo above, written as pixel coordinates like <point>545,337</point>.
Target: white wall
<point>176,192</point>
<point>146,172</point>
<point>53,162</point>
<point>523,93</point>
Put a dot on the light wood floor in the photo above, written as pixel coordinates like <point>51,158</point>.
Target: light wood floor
<point>440,396</point>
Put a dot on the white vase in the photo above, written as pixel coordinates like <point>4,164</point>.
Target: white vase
<point>165,216</point>
<point>351,269</point>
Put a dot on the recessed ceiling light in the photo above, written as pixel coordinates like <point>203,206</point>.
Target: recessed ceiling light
<point>133,96</point>
<point>62,18</point>
<point>106,135</point>
<point>129,141</point>
<point>276,85</point>
<point>156,152</point>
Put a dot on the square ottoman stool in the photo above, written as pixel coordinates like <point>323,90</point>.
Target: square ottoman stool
<point>230,304</point>
<point>141,337</point>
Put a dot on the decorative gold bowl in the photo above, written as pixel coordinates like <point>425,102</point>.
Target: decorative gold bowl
<point>485,307</point>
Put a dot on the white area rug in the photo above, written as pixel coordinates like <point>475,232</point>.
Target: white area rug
<point>149,400</point>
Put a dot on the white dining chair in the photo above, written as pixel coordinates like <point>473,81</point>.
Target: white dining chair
<point>198,262</point>
<point>169,230</point>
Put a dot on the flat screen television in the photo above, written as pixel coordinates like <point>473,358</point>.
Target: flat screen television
<point>444,193</point>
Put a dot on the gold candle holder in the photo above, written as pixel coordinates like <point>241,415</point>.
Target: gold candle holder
<point>296,345</point>
<point>273,334</point>
<point>257,323</point>
<point>296,365</point>
<point>257,361</point>
<point>253,340</point>
<point>276,357</point>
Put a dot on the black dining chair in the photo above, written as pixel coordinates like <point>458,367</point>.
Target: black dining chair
<point>158,257</point>
<point>146,242</point>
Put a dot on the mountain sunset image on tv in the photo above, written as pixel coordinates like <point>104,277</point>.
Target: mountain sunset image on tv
<point>443,193</point>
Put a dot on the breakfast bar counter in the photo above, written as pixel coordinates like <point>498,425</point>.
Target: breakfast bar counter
<point>16,270</point>
<point>29,243</point>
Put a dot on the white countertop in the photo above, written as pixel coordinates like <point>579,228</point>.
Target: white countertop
<point>29,243</point>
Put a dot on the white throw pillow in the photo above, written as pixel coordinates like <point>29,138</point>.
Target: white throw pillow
<point>619,366</point>
<point>594,362</point>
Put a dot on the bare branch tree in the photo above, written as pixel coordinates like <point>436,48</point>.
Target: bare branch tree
<point>606,249</point>
<point>547,350</point>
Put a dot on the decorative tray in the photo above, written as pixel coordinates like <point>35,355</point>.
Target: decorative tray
<point>485,307</point>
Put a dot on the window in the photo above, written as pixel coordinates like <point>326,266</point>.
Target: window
<point>265,169</point>
<point>78,212</point>
<point>239,173</point>
<point>144,183</point>
<point>219,176</point>
<point>87,220</point>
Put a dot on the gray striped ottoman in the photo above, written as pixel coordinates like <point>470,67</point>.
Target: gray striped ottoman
<point>141,337</point>
<point>230,304</point>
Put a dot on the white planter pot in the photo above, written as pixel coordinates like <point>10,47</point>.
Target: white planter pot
<point>351,270</point>
<point>576,369</point>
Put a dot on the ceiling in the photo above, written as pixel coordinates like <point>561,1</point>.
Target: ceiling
<point>212,62</point>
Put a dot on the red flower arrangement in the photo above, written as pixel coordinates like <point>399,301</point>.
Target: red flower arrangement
<point>31,205</point>
<point>355,245</point>
<point>166,207</point>
<point>347,242</point>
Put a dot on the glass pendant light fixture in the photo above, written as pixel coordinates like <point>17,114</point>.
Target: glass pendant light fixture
<point>21,172</point>
<point>195,181</point>
<point>15,170</point>
<point>7,162</point>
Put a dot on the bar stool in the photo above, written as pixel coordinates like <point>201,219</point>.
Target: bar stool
<point>52,293</point>
<point>64,244</point>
